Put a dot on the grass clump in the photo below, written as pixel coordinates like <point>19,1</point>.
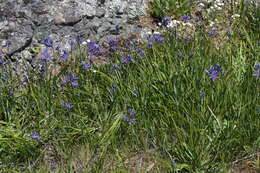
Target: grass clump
<point>169,104</point>
<point>161,8</point>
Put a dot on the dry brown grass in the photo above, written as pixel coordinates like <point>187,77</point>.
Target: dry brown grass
<point>250,164</point>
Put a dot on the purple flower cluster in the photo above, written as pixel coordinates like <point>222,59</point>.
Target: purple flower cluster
<point>45,55</point>
<point>72,42</point>
<point>85,65</point>
<point>114,66</point>
<point>94,49</point>
<point>185,18</point>
<point>2,62</point>
<point>126,59</point>
<point>71,79</point>
<point>180,54</point>
<point>64,56</point>
<point>47,42</point>
<point>68,106</point>
<point>7,43</point>
<point>257,71</point>
<point>36,136</point>
<point>155,38</point>
<point>214,72</point>
<point>113,44</point>
<point>166,21</point>
<point>131,112</point>
<point>213,32</point>
<point>141,52</point>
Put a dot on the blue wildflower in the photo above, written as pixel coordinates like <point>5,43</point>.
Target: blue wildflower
<point>2,62</point>
<point>149,46</point>
<point>57,47</point>
<point>7,43</point>
<point>188,38</point>
<point>213,32</point>
<point>71,79</point>
<point>36,136</point>
<point>257,71</point>
<point>117,28</point>
<point>141,52</point>
<point>185,18</point>
<point>114,66</point>
<point>113,44</point>
<point>94,49</point>
<point>131,112</point>
<point>126,59</point>
<point>71,42</point>
<point>78,39</point>
<point>85,65</point>
<point>214,72</point>
<point>45,55</point>
<point>129,119</point>
<point>197,19</point>
<point>166,21</point>
<point>47,42</point>
<point>180,54</point>
<point>155,38</point>
<point>74,84</point>
<point>65,55</point>
<point>68,106</point>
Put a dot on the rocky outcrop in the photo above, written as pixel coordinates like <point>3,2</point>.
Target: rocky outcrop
<point>24,24</point>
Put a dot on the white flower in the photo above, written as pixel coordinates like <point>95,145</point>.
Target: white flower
<point>234,16</point>
<point>88,40</point>
<point>84,43</point>
<point>176,22</point>
<point>220,4</point>
<point>156,32</point>
<point>201,5</point>
<point>170,25</point>
<point>188,24</point>
<point>211,23</point>
<point>149,33</point>
<point>218,8</point>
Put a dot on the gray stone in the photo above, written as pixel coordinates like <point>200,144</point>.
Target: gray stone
<point>27,22</point>
<point>100,12</point>
<point>104,28</point>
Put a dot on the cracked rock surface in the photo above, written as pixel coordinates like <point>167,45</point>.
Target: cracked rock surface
<point>25,23</point>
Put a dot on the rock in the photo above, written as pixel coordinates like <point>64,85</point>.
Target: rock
<point>25,23</point>
<point>104,28</point>
<point>100,12</point>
